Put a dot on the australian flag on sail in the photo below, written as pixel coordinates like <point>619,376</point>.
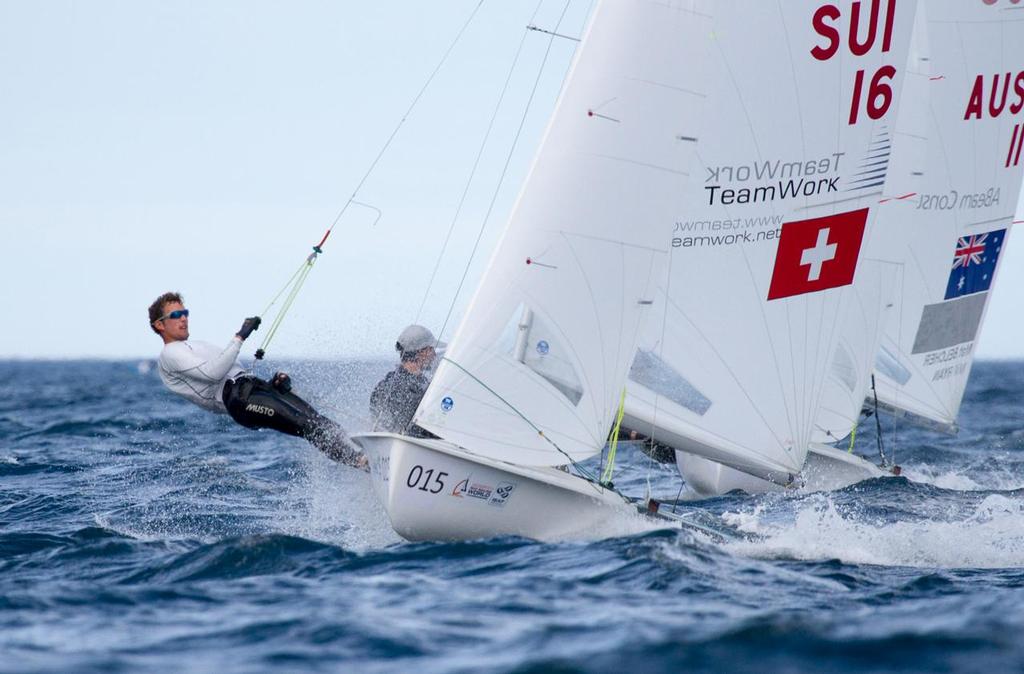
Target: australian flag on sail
<point>974,263</point>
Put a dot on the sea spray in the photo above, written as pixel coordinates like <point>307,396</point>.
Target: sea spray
<point>989,535</point>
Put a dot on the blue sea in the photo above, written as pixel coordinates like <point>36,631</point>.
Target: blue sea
<point>138,533</point>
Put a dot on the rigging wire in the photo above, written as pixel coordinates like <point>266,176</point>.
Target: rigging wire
<point>878,422</point>
<point>476,164</point>
<point>508,159</point>
<point>412,105</point>
<point>504,171</point>
<point>899,337</point>
<point>892,447</point>
<point>580,469</point>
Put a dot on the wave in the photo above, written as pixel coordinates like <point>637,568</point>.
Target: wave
<point>103,427</point>
<point>242,557</point>
<point>993,472</point>
<point>987,536</point>
<point>798,643</point>
<point>11,466</point>
<point>27,543</point>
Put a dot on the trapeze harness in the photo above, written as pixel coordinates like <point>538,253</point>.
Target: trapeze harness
<point>213,379</point>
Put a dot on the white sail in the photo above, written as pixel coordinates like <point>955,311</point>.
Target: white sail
<point>862,322</point>
<point>958,167</point>
<point>875,293</point>
<point>535,371</point>
<point>793,150</point>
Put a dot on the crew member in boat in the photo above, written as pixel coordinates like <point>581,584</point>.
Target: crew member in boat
<point>658,451</point>
<point>395,398</point>
<point>212,378</point>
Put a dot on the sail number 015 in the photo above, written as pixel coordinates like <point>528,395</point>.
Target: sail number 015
<point>427,480</point>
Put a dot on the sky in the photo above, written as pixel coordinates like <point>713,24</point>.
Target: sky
<point>205,146</point>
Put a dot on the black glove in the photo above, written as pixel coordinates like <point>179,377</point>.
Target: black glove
<point>282,382</point>
<point>248,326</point>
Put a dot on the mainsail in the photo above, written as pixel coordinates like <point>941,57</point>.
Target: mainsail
<point>535,370</point>
<point>958,169</point>
<point>767,258</point>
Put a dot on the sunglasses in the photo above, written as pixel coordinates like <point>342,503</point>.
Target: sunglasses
<point>176,314</point>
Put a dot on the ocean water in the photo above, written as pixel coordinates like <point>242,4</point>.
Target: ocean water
<point>138,533</point>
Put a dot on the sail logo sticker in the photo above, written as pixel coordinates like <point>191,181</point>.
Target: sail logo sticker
<point>495,496</point>
<point>447,404</point>
<point>947,324</point>
<point>974,263</point>
<point>472,490</point>
<point>501,494</point>
<point>543,348</point>
<point>817,254</point>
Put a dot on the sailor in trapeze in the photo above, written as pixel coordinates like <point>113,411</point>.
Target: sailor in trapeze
<point>213,379</point>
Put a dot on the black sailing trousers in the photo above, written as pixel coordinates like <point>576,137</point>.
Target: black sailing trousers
<point>255,403</point>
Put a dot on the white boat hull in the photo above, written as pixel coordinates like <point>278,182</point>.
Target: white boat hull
<point>826,468</point>
<point>434,490</point>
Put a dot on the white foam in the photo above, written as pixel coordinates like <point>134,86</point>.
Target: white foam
<point>140,532</point>
<point>995,476</point>
<point>336,505</point>
<point>950,479</point>
<point>990,536</point>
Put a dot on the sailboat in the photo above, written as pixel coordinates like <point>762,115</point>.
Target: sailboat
<point>533,377</point>
<point>963,57</point>
<point>531,380</point>
<point>964,164</point>
<point>777,284</point>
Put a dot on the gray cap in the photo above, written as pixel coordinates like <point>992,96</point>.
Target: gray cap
<point>416,337</point>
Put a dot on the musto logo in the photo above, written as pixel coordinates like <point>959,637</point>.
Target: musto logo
<point>260,409</point>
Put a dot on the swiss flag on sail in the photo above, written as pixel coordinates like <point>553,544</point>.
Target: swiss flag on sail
<point>817,254</point>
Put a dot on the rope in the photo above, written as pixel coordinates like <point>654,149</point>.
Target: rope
<point>853,436</point>
<point>606,477</point>
<point>679,495</point>
<point>293,286</point>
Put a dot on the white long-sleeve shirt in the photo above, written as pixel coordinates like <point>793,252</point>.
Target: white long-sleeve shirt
<point>198,370</point>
